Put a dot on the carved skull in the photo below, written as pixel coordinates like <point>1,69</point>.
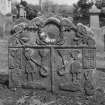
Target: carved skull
<point>50,32</point>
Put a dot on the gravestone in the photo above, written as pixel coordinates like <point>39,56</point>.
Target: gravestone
<point>94,17</point>
<point>50,62</point>
<point>99,32</point>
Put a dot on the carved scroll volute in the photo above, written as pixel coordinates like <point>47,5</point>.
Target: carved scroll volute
<point>84,36</point>
<point>19,25</point>
<point>38,21</point>
<point>23,34</point>
<point>16,32</point>
<point>67,24</point>
<point>69,31</point>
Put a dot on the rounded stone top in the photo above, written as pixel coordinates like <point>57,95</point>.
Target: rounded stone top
<point>94,10</point>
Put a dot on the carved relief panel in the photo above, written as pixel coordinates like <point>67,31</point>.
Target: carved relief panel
<point>15,66</point>
<point>31,68</point>
<point>49,58</point>
<point>67,69</point>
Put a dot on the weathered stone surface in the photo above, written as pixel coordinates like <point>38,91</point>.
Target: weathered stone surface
<point>99,77</point>
<point>48,58</point>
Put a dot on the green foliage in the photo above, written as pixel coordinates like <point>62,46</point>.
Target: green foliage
<point>62,10</point>
<point>84,3</point>
<point>49,7</point>
<point>99,4</point>
<point>31,11</point>
<point>81,10</point>
<point>65,10</point>
<point>24,3</point>
<point>103,3</point>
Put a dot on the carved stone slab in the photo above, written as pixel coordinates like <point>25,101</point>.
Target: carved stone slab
<point>52,56</point>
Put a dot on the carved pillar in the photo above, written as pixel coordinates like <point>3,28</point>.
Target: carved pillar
<point>98,36</point>
<point>94,17</point>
